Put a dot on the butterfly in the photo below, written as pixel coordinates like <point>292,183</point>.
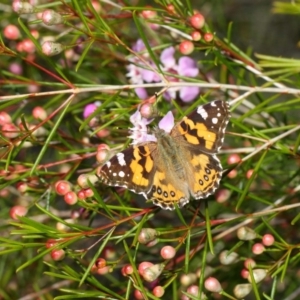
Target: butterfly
<point>179,165</point>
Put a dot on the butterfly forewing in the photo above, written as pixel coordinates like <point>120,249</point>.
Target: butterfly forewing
<point>204,128</point>
<point>132,168</point>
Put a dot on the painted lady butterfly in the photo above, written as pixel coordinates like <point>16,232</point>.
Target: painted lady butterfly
<point>179,165</point>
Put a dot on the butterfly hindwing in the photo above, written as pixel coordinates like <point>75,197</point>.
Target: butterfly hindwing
<point>207,175</point>
<point>165,194</point>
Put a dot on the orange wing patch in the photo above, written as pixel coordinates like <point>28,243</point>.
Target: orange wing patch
<point>207,176</point>
<point>193,132</point>
<point>165,194</point>
<point>140,163</point>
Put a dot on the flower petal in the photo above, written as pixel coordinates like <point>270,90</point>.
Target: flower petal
<point>134,74</point>
<point>138,46</point>
<point>148,76</point>
<point>135,118</point>
<point>187,67</point>
<point>167,122</point>
<point>141,137</point>
<point>167,57</point>
<point>141,93</point>
<point>170,94</point>
<point>89,109</point>
<point>189,93</point>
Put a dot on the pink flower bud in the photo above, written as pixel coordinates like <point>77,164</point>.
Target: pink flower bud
<point>249,263</point>
<point>10,130</point>
<point>152,243</point>
<point>146,110</point>
<point>233,158</point>
<point>100,263</point>
<point>227,258</point>
<point>50,17</point>
<point>268,239</point>
<point>39,113</point>
<point>186,47</point>
<point>249,173</point>
<point>11,32</point>
<point>188,279</point>
<point>152,273</point>
<point>158,291</point>
<point>21,7</point>
<point>193,290</point>
<point>102,155</point>
<point>258,248</point>
<point>232,173</point>
<point>4,118</point>
<point>208,37</point>
<point>127,270</point>
<point>144,265</point>
<point>62,187</point>
<point>83,179</point>
<point>17,211</point>
<point>28,46</point>
<point>196,36</point>
<point>246,234</point>
<point>71,198</point>
<point>258,275</point>
<point>167,252</point>
<point>242,290</point>
<point>212,285</point>
<point>222,195</point>
<point>51,48</point>
<point>197,21</point>
<point>58,254</point>
<point>149,14</point>
<point>147,235</point>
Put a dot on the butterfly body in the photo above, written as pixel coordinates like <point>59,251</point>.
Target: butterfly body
<point>181,164</point>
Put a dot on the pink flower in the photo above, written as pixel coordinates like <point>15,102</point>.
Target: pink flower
<point>90,108</point>
<point>186,67</point>
<point>139,131</point>
<point>140,73</point>
<point>139,46</point>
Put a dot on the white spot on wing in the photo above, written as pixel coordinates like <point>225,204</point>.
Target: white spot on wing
<point>121,160</point>
<point>114,174</point>
<point>121,174</point>
<point>202,112</point>
<point>214,120</point>
<point>108,164</point>
<point>213,103</point>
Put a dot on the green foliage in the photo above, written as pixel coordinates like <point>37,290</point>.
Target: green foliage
<point>260,191</point>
